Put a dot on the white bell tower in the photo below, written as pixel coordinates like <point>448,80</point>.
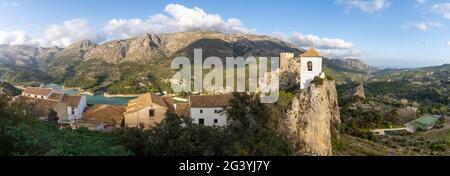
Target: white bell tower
<point>310,67</point>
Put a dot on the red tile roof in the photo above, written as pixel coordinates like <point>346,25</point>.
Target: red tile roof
<point>197,101</point>
<point>148,99</point>
<point>38,91</point>
<point>106,114</point>
<point>56,97</point>
<point>39,107</point>
<point>72,100</point>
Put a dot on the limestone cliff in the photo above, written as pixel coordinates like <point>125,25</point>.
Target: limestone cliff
<point>309,122</point>
<point>359,91</point>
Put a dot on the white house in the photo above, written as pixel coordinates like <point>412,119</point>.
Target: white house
<point>310,67</point>
<point>37,92</point>
<point>70,109</point>
<point>209,110</point>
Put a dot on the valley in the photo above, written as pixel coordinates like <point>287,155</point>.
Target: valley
<point>368,98</point>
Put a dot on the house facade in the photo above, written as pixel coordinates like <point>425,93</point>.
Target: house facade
<point>209,110</point>
<point>70,109</point>
<point>147,110</point>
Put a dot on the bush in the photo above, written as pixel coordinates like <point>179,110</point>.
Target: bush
<point>317,81</point>
<point>329,78</point>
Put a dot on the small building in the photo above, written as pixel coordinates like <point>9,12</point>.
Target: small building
<point>37,92</point>
<point>147,110</point>
<point>382,132</point>
<point>209,110</point>
<point>425,122</point>
<point>412,109</point>
<point>70,109</point>
<point>100,117</point>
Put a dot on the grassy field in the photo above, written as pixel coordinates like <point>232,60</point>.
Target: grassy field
<point>434,142</point>
<point>354,146</point>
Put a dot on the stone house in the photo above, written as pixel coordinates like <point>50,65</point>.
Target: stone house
<point>147,110</point>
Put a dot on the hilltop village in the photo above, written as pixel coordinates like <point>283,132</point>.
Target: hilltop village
<point>149,109</point>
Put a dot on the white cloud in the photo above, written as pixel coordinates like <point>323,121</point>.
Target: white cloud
<point>448,43</point>
<point>331,48</point>
<point>320,43</point>
<point>11,3</point>
<point>175,18</point>
<point>424,26</point>
<point>443,9</point>
<point>351,53</point>
<point>368,6</point>
<point>60,35</point>
<point>70,31</point>
<point>14,38</point>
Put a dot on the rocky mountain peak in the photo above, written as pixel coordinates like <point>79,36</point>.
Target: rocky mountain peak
<point>83,45</point>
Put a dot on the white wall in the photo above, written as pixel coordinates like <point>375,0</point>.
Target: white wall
<point>307,76</point>
<point>36,96</point>
<point>209,116</point>
<point>78,110</point>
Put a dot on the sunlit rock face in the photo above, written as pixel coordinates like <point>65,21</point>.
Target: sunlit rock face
<point>309,122</point>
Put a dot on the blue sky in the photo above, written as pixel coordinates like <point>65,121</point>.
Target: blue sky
<point>384,33</point>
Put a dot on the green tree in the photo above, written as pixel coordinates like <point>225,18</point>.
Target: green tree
<point>53,116</point>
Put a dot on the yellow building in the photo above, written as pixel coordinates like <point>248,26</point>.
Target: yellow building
<point>147,110</point>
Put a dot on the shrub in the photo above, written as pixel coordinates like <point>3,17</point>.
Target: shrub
<point>329,78</point>
<point>317,81</point>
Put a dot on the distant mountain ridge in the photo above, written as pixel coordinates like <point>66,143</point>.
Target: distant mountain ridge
<point>59,64</point>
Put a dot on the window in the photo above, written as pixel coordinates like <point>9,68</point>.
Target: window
<point>201,111</point>
<point>42,96</point>
<point>310,66</point>
<point>216,111</point>
<point>216,121</point>
<point>151,113</point>
<point>72,111</point>
<point>201,121</point>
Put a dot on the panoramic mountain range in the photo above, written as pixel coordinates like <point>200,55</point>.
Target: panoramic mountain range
<point>25,64</point>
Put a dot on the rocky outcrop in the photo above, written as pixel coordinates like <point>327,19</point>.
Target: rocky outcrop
<point>359,91</point>
<point>352,90</point>
<point>313,115</point>
<point>149,47</point>
<point>77,50</point>
<point>290,75</point>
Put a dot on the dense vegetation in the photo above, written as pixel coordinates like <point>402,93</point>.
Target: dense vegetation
<point>253,132</point>
<point>8,89</point>
<point>388,105</point>
<point>21,134</point>
<point>23,75</point>
<point>406,89</point>
<point>124,78</point>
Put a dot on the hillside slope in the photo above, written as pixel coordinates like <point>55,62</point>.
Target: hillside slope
<point>26,64</point>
